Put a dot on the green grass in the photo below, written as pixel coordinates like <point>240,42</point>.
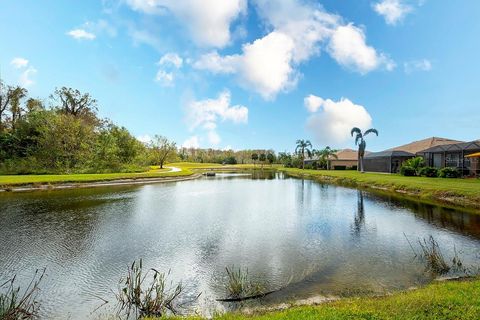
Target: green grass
<point>446,300</point>
<point>15,180</point>
<point>459,192</point>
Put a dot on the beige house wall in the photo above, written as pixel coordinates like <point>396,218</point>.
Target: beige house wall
<point>347,163</point>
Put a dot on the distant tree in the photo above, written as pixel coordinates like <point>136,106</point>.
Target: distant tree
<point>34,105</point>
<point>254,158</point>
<point>4,102</point>
<point>262,158</point>
<point>303,146</point>
<point>325,155</point>
<point>162,149</point>
<point>271,158</point>
<point>362,145</point>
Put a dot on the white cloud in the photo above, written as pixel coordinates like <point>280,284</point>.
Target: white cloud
<point>81,34</point>
<point>348,47</point>
<point>332,124</point>
<point>19,63</point>
<point>393,11</point>
<point>172,59</point>
<point>166,79</point>
<point>417,65</point>
<point>208,21</point>
<point>313,103</point>
<point>213,138</point>
<point>205,114</point>
<point>269,65</point>
<point>27,71</point>
<point>192,142</point>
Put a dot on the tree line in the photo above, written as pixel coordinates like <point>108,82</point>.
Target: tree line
<point>64,134</point>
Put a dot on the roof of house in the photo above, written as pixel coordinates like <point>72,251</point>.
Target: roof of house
<point>389,153</point>
<point>417,146</point>
<point>345,154</point>
<point>471,146</point>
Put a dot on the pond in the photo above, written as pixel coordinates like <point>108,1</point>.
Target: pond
<point>313,239</point>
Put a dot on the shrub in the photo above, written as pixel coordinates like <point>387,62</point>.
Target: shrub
<point>449,172</point>
<point>339,167</point>
<point>416,163</point>
<point>408,171</point>
<point>309,166</point>
<point>430,172</point>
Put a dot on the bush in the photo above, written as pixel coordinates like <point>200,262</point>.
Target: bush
<point>408,171</point>
<point>449,172</point>
<point>430,172</point>
<point>339,167</point>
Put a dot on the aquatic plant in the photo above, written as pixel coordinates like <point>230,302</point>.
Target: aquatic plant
<point>239,286</point>
<point>140,298</point>
<point>17,306</point>
<point>433,257</point>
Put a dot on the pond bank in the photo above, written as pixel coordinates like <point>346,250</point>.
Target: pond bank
<point>443,300</point>
<point>455,193</point>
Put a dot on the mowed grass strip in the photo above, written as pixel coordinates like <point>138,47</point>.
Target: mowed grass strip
<point>438,301</point>
<point>15,180</point>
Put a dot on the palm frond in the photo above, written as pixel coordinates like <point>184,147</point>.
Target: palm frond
<point>358,139</point>
<point>371,131</point>
<point>355,130</point>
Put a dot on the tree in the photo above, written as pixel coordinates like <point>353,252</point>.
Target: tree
<point>303,146</point>
<point>254,158</point>
<point>271,158</point>
<point>17,94</point>
<point>362,145</point>
<point>71,101</point>
<point>162,149</point>
<point>325,155</point>
<point>262,158</point>
<point>4,102</point>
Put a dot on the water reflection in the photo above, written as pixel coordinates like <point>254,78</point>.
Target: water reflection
<point>329,239</point>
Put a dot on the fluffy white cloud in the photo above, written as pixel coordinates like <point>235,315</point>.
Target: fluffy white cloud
<point>27,71</point>
<point>205,114</point>
<point>172,59</point>
<point>192,142</point>
<point>269,65</point>
<point>169,63</point>
<point>19,63</point>
<point>334,120</point>
<point>348,47</point>
<point>313,103</point>
<point>164,78</point>
<point>81,34</point>
<point>417,65</point>
<point>393,11</point>
<point>208,21</point>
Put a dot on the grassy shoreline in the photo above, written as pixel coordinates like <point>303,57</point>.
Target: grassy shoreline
<point>441,300</point>
<point>451,192</point>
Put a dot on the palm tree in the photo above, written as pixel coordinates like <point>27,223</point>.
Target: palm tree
<point>302,147</point>
<point>362,145</point>
<point>326,154</point>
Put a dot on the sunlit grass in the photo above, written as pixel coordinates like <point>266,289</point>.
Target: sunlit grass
<point>446,300</point>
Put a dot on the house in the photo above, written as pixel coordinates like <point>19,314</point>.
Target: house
<point>390,161</point>
<point>345,159</point>
<point>460,155</point>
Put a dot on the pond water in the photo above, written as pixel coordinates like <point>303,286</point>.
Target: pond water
<point>320,239</point>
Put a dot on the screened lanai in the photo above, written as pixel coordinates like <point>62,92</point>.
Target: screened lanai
<point>454,155</point>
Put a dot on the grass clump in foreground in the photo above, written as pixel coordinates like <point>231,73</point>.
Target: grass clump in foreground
<point>444,300</point>
<point>139,298</point>
<point>17,306</point>
<point>239,286</point>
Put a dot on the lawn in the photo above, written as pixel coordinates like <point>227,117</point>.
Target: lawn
<point>462,192</point>
<point>12,180</point>
<point>445,300</point>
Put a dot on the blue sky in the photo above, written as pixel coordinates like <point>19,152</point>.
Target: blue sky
<point>256,73</point>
